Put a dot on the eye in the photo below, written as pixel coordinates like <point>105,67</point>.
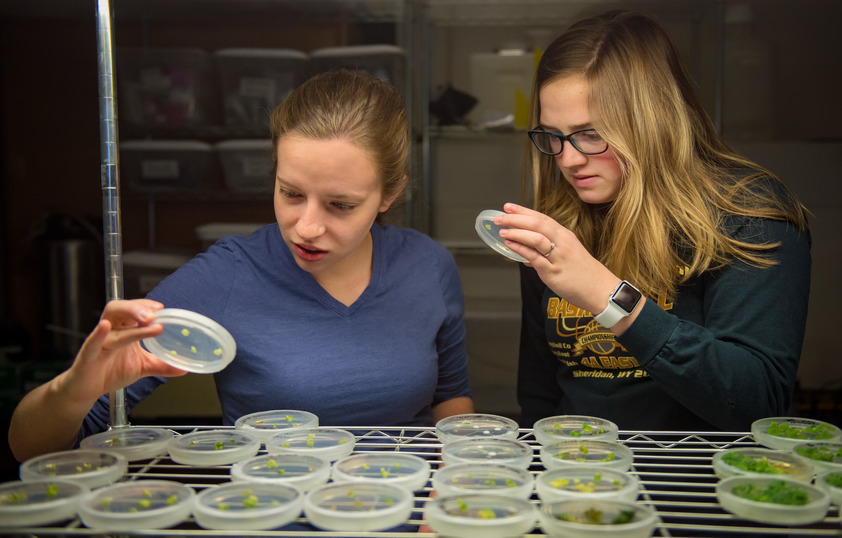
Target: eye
<point>343,206</point>
<point>286,193</point>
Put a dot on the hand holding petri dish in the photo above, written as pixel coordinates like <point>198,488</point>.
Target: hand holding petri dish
<point>490,233</point>
<point>191,342</point>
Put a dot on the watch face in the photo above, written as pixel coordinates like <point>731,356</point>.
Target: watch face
<point>626,297</point>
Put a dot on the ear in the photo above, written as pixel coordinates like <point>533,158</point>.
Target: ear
<point>388,201</point>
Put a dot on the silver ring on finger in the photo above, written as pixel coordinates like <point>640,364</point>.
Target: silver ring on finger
<point>552,246</point>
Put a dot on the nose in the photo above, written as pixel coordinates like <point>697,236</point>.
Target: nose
<point>570,156</point>
<point>310,224</point>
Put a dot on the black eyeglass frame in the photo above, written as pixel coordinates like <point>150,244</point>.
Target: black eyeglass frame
<point>533,132</point>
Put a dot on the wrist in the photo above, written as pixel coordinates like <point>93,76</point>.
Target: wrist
<point>622,302</point>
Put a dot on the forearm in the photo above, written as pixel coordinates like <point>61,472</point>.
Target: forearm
<point>455,406</point>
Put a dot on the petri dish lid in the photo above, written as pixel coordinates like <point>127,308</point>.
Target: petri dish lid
<point>831,483</point>
<point>823,456</point>
<point>603,454</point>
<point>302,471</point>
<point>327,443</point>
<point>213,447</point>
<point>574,427</point>
<point>487,478</point>
<point>92,468</point>
<point>358,506</point>
<point>133,443</point>
<point>39,502</point>
<point>474,425</point>
<point>490,233</point>
<point>137,505</point>
<point>583,518</point>
<point>407,470</point>
<point>752,461</point>
<point>815,508</point>
<point>501,451</point>
<point>578,482</point>
<point>783,433</point>
<point>191,342</point>
<point>247,506</point>
<point>480,516</point>
<point>265,424</point>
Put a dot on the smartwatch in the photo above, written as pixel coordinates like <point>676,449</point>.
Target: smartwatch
<point>621,303</point>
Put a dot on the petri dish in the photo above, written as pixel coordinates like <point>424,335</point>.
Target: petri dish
<point>299,470</point>
<point>329,444</point>
<point>191,342</point>
<point>406,470</point>
<point>587,518</point>
<point>823,456</point>
<point>730,493</point>
<point>213,447</point>
<point>490,234</point>
<point>761,462</point>
<point>247,506</point>
<point>137,505</point>
<point>485,478</point>
<point>475,425</point>
<point>574,427</point>
<point>39,502</point>
<point>586,482</point>
<point>480,516</point>
<point>831,483</point>
<point>92,468</point>
<point>783,433</point>
<point>133,443</point>
<point>358,506</point>
<point>265,424</point>
<point>602,454</point>
<point>501,451</point>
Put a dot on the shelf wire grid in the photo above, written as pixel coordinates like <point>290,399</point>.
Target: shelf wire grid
<point>674,468</point>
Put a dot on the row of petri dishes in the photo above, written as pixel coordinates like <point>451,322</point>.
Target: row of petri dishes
<point>483,487</point>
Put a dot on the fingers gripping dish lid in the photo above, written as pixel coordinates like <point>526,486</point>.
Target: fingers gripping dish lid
<point>191,342</point>
<point>490,233</point>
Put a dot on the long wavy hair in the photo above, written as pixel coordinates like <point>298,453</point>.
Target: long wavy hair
<point>681,181</point>
<point>355,106</point>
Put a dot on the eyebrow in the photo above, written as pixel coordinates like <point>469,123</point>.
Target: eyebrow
<point>331,196</point>
<point>573,128</point>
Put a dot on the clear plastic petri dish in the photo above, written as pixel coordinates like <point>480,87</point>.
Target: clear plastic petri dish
<point>574,428</point>
<point>137,505</point>
<point>601,454</point>
<point>490,234</point>
<point>92,468</point>
<point>408,470</point>
<point>39,502</point>
<point>213,447</point>
<point>247,506</point>
<point>831,483</point>
<point>299,470</point>
<point>330,444</point>
<point>265,424</point>
<point>475,425</point>
<point>500,451</point>
<point>585,483</point>
<point>592,518</point>
<point>761,462</point>
<point>133,443</point>
<point>823,456</point>
<point>486,478</point>
<point>480,516</point>
<point>783,433</point>
<point>358,506</point>
<point>736,495</point>
<point>191,342</point>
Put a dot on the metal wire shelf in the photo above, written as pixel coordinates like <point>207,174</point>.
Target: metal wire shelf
<point>674,469</point>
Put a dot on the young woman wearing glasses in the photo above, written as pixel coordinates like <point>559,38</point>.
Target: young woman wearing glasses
<point>668,277</point>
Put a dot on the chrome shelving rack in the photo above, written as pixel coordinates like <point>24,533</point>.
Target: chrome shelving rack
<point>674,468</point>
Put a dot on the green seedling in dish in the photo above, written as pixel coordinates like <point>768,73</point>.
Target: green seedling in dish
<point>52,490</point>
<point>384,473</point>
<point>486,514</point>
<point>144,503</point>
<point>818,431</point>
<point>223,506</point>
<point>834,479</point>
<point>217,352</point>
<point>463,506</point>
<point>819,453</point>
<point>193,349</point>
<point>778,492</point>
<point>271,464</point>
<point>105,502</point>
<point>185,332</point>
<point>755,465</point>
<point>172,499</point>
<point>219,445</point>
<point>251,501</point>
<point>289,418</point>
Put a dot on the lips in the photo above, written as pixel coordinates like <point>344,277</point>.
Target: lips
<point>309,253</point>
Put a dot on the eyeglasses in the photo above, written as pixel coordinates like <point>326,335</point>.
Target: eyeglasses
<point>586,141</point>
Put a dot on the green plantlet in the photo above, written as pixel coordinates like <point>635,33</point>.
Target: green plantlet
<point>52,490</point>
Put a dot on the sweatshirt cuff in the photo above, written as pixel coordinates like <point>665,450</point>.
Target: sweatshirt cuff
<point>649,332</point>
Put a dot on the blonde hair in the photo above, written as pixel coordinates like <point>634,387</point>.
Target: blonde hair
<point>351,105</point>
<point>681,181</point>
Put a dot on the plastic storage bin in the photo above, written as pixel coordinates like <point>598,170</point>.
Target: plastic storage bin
<point>384,61</point>
<point>246,165</point>
<point>168,165</point>
<point>254,81</point>
<point>165,88</point>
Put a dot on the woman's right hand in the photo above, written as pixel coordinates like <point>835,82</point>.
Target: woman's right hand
<point>111,357</point>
